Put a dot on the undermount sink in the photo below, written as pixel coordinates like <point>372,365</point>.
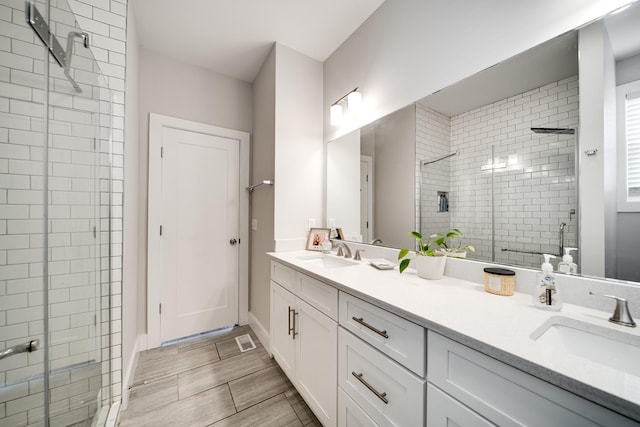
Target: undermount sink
<point>327,261</point>
<point>604,346</point>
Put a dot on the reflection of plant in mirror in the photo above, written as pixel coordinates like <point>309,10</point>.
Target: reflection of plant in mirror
<point>455,244</point>
<point>430,248</point>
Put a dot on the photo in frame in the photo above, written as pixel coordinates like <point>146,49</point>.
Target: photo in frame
<point>316,238</point>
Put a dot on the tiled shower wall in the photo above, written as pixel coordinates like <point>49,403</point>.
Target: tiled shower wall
<point>79,193</point>
<point>527,180</point>
<point>433,133</point>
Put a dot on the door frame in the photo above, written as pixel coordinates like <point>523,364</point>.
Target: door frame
<point>157,123</point>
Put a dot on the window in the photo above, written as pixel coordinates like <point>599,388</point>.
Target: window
<point>629,147</point>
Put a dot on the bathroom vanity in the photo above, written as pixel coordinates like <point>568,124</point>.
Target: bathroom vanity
<point>366,347</point>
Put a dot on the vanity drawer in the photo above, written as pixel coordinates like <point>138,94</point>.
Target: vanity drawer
<point>319,295</point>
<point>398,338</point>
<point>350,414</point>
<point>505,395</point>
<point>444,411</point>
<point>284,276</point>
<point>386,391</point>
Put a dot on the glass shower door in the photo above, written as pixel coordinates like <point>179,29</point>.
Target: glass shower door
<point>78,216</point>
<point>55,129</point>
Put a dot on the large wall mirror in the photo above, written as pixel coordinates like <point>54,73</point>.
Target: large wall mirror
<point>501,156</point>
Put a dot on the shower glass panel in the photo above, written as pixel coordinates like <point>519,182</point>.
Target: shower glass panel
<point>535,199</point>
<point>54,223</point>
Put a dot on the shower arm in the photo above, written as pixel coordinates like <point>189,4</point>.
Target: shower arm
<point>39,25</point>
<point>67,63</point>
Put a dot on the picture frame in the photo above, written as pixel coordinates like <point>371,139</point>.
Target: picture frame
<point>316,237</point>
<point>340,233</point>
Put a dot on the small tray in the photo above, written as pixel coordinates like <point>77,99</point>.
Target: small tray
<point>382,264</point>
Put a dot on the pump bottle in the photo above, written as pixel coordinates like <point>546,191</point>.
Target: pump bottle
<point>545,294</point>
<point>567,265</point>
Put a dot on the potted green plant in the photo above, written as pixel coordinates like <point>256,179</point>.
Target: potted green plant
<point>428,260</point>
<point>453,245</point>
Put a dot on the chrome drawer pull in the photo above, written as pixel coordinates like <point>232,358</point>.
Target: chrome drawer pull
<point>374,329</point>
<point>381,396</point>
<point>289,320</point>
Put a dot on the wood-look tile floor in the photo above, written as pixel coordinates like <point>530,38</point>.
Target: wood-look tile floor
<point>209,382</point>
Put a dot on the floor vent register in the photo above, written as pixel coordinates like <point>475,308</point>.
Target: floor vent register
<point>245,343</point>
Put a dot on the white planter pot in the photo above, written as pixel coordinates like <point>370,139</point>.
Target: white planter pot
<point>430,267</point>
<point>457,254</point>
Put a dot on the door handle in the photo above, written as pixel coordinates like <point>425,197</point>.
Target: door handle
<point>233,242</point>
<point>29,347</point>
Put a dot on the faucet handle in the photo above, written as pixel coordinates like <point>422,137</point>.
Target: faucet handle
<point>621,314</point>
<point>340,251</point>
<point>357,256</point>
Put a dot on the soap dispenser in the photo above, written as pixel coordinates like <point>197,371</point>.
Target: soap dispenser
<point>545,294</point>
<point>567,265</point>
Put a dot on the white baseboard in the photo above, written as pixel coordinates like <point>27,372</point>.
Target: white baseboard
<point>130,371</point>
<point>261,332</point>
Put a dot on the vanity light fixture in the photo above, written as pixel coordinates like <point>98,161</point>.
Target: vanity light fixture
<point>354,101</point>
<point>336,114</point>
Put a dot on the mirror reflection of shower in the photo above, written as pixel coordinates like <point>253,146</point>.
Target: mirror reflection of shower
<point>434,187</point>
<point>514,199</point>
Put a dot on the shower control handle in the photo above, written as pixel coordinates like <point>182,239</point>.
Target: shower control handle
<point>28,347</point>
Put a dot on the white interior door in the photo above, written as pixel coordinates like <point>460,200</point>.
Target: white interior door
<point>199,233</point>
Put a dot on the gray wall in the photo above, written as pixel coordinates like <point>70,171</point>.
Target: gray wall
<point>262,203</point>
<point>394,212</point>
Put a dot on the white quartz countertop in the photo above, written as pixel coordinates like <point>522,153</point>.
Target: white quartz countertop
<point>499,326</point>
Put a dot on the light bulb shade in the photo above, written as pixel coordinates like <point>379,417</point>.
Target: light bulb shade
<point>336,114</point>
<point>354,99</point>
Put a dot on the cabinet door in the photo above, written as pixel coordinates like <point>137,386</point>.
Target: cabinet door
<point>316,361</point>
<point>282,318</point>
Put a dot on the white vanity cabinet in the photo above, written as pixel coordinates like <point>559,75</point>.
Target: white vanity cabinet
<point>304,337</point>
<point>379,354</point>
<point>470,388</point>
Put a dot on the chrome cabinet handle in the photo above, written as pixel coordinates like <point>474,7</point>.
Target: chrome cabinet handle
<point>29,347</point>
<point>294,323</point>
<point>373,328</point>
<point>381,396</point>
<point>289,320</point>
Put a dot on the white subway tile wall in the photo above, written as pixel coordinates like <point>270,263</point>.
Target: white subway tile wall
<point>433,133</point>
<point>532,175</point>
<point>84,295</point>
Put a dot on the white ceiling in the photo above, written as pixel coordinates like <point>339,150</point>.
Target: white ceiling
<point>234,37</point>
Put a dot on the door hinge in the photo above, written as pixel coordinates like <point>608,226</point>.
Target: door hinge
<point>95,320</point>
<point>367,178</point>
<point>95,232</point>
<point>161,152</point>
<point>95,144</point>
<point>159,308</point>
<point>161,230</point>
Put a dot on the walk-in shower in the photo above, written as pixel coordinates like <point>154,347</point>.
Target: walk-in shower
<point>55,198</point>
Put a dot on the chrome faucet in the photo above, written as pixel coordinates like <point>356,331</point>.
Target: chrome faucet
<point>561,238</point>
<point>621,314</point>
<point>343,249</point>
